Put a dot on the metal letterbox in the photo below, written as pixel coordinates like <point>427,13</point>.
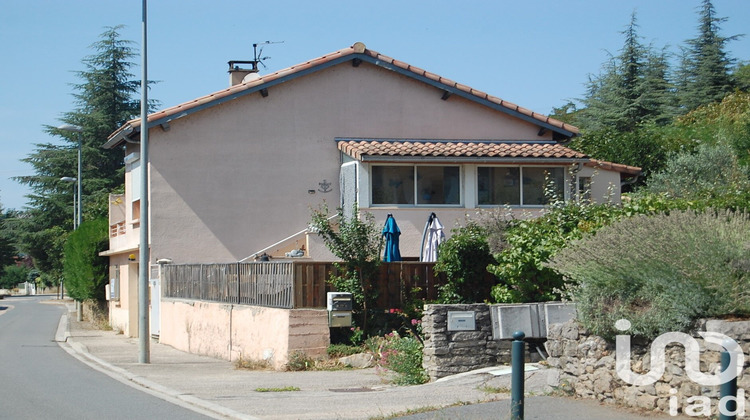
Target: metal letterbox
<point>339,318</point>
<point>461,321</point>
<point>339,301</point>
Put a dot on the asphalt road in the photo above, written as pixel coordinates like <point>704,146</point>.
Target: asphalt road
<point>40,380</point>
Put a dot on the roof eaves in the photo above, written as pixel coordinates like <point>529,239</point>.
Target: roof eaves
<point>119,136</point>
<point>618,167</point>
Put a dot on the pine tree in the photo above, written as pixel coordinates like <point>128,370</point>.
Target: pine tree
<point>633,88</point>
<point>705,71</point>
<point>104,101</point>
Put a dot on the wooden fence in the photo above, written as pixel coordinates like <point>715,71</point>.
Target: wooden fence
<point>291,284</point>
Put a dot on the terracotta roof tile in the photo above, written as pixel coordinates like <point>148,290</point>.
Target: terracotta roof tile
<point>372,148</point>
<point>178,109</point>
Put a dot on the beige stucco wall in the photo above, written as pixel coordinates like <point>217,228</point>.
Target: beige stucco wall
<point>233,179</point>
<point>232,331</point>
<point>605,185</point>
<point>123,313</point>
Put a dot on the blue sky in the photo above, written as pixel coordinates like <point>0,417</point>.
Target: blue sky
<point>536,53</point>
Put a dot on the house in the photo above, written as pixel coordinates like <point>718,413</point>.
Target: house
<point>235,174</point>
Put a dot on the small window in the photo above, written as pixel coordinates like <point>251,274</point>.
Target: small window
<point>114,283</point>
<point>135,180</point>
<point>584,188</point>
<point>136,210</point>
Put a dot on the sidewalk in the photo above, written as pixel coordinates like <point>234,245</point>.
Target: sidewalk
<point>215,388</point>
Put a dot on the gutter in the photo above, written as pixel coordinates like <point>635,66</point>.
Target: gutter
<point>470,159</point>
<point>122,135</point>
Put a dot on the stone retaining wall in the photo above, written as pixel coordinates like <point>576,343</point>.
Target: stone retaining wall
<point>587,369</point>
<point>450,352</point>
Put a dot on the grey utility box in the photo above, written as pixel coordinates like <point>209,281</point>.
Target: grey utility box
<point>533,319</point>
<point>339,306</point>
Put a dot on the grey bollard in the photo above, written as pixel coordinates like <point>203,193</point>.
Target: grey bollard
<point>517,359</point>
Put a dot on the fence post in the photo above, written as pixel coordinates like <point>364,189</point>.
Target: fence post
<point>239,277</point>
<point>728,391</point>
<point>517,359</point>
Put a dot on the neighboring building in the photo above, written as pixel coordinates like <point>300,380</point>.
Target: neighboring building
<point>236,173</point>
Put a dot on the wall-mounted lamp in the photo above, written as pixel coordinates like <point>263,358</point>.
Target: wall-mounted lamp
<point>131,257</point>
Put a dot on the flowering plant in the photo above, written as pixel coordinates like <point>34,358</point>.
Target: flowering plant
<point>399,358</point>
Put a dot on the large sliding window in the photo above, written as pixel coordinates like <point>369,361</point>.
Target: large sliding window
<point>519,186</point>
<point>423,185</point>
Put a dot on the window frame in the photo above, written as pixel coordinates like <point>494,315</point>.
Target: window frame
<point>415,188</point>
<point>520,185</point>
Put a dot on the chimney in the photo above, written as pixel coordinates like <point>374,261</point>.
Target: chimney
<point>238,74</point>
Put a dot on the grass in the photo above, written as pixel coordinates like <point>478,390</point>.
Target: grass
<point>284,389</point>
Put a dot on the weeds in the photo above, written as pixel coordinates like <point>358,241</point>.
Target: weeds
<point>284,389</point>
<point>251,364</point>
<point>494,389</point>
<point>341,350</point>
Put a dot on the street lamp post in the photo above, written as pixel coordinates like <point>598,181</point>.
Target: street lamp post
<point>76,129</point>
<point>77,206</point>
<point>75,186</point>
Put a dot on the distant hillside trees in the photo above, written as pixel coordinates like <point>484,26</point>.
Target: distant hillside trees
<point>638,110</point>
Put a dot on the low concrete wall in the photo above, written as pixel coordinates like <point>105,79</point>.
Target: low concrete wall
<point>231,332</point>
<point>587,365</point>
<point>118,317</point>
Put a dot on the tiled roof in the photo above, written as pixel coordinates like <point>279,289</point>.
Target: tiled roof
<point>358,49</point>
<point>618,167</point>
<point>379,149</point>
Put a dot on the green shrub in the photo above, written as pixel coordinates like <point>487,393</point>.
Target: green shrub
<point>525,245</point>
<point>712,171</point>
<point>464,259</point>
<point>84,270</point>
<point>660,272</point>
<point>399,356</point>
<point>12,276</point>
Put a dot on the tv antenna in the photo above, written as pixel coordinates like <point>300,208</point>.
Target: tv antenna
<point>258,58</point>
